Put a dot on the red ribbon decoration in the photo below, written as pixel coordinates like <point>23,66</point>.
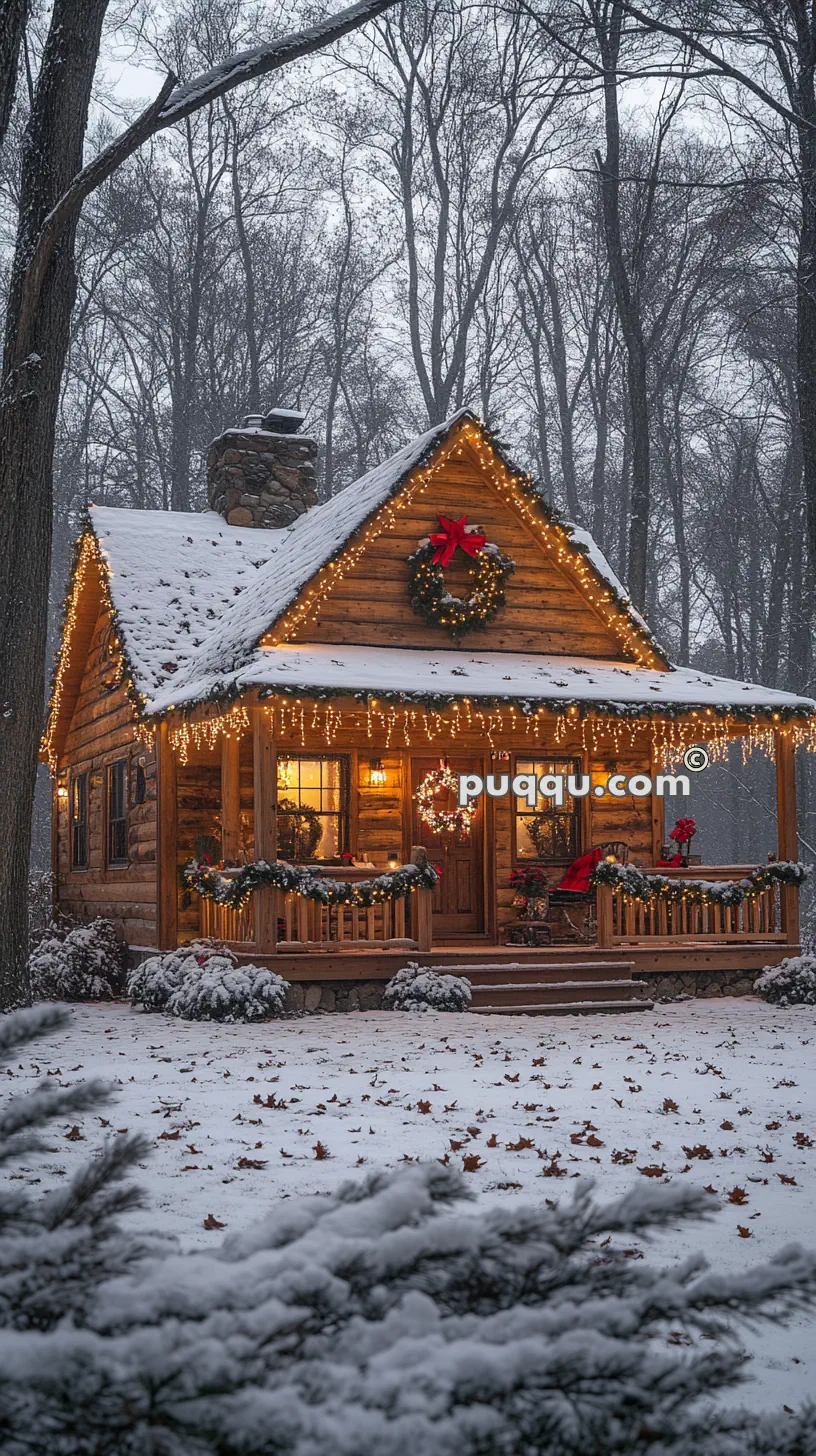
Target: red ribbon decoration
<point>453,534</point>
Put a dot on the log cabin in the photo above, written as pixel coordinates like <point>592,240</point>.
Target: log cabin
<point>280,681</point>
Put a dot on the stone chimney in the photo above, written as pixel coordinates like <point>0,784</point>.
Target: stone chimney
<point>263,473</point>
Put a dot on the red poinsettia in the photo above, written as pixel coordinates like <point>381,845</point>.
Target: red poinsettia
<point>529,881</point>
<point>683,831</point>
<point>453,534</point>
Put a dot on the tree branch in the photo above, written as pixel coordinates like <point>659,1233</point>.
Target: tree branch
<point>173,104</point>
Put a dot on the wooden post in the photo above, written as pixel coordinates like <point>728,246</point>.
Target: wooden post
<point>424,919</point>
<point>265,780</point>
<point>166,842</point>
<point>603,902</point>
<point>787,836</point>
<point>658,814</point>
<point>230,798</point>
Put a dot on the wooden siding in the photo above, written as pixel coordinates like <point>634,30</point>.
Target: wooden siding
<point>101,731</point>
<point>545,611</point>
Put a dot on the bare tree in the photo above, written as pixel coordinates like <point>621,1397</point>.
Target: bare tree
<point>53,188</point>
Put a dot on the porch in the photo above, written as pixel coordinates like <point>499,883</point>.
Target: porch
<point>232,780</point>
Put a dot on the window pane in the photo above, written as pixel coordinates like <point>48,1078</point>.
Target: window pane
<point>79,821</point>
<point>549,831</point>
<point>117,812</point>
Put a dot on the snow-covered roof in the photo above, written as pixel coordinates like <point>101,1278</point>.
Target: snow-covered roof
<point>379,671</point>
<point>193,596</point>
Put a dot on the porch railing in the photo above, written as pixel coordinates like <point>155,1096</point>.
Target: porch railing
<point>300,924</point>
<point>770,915</point>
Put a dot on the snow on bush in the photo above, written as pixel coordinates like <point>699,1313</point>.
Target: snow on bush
<point>382,1318</point>
<point>202,981</point>
<point>415,988</point>
<point>84,963</point>
<point>791,983</point>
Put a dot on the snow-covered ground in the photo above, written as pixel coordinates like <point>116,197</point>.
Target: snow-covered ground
<point>719,1092</point>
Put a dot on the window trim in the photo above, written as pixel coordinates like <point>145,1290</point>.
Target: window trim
<point>75,779</point>
<point>344,812</point>
<point>578,767</point>
<point>110,766</point>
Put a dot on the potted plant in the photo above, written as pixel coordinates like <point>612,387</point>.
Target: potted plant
<point>682,834</point>
<point>530,885</point>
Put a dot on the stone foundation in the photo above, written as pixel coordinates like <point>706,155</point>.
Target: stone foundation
<point>257,478</point>
<point>335,995</point>
<point>697,983</point>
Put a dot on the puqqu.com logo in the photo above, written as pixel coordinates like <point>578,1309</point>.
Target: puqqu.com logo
<point>557,787</point>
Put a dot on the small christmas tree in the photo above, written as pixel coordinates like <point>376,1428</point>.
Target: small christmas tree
<point>379,1320</point>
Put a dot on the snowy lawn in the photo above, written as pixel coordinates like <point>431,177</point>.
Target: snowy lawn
<point>719,1092</point>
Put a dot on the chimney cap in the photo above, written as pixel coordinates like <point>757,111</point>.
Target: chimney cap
<point>283,421</point>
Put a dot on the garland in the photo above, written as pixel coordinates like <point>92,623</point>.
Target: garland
<point>443,821</point>
<point>636,885</point>
<point>235,892</point>
<point>432,601</point>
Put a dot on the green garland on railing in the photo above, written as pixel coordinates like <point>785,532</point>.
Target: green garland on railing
<point>234,892</point>
<point>639,886</point>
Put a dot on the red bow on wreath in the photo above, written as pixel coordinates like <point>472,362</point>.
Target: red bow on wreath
<point>453,534</point>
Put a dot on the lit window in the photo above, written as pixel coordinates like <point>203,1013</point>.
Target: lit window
<point>117,813</point>
<point>312,798</point>
<point>549,831</point>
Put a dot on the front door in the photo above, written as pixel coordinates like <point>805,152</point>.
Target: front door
<point>459,908</point>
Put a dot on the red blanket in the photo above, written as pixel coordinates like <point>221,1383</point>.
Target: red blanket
<point>577,876</point>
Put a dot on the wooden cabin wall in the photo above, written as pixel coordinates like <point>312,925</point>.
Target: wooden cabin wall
<point>545,610</point>
<point>102,731</point>
<point>627,819</point>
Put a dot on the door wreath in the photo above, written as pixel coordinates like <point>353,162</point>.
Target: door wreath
<point>430,597</point>
<point>443,821</point>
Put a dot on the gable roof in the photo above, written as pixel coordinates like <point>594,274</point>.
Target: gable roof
<point>193,598</point>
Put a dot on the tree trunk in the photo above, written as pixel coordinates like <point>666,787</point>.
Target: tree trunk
<point>28,410</point>
<point>609,39</point>
<point>13,15</point>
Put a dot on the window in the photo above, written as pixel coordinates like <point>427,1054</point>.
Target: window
<point>312,807</point>
<point>79,822</point>
<point>549,831</point>
<point>117,812</point>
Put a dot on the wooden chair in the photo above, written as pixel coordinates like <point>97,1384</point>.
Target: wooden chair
<point>584,927</point>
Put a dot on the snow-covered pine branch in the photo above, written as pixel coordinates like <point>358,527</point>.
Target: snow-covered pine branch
<point>381,1318</point>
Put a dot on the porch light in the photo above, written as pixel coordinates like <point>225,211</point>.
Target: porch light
<point>62,792</point>
<point>394,859</point>
<point>377,774</point>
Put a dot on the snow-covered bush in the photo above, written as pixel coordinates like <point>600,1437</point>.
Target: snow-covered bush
<point>83,963</point>
<point>202,981</point>
<point>152,983</point>
<point>380,1319</point>
<point>416,988</point>
<point>791,983</point>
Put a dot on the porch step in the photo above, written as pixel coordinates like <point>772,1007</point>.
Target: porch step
<point>551,987</point>
<point>541,972</point>
<point>565,1008</point>
<point>510,993</point>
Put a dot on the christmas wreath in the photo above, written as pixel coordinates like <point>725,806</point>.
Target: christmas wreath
<point>430,597</point>
<point>300,830</point>
<point>443,821</point>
